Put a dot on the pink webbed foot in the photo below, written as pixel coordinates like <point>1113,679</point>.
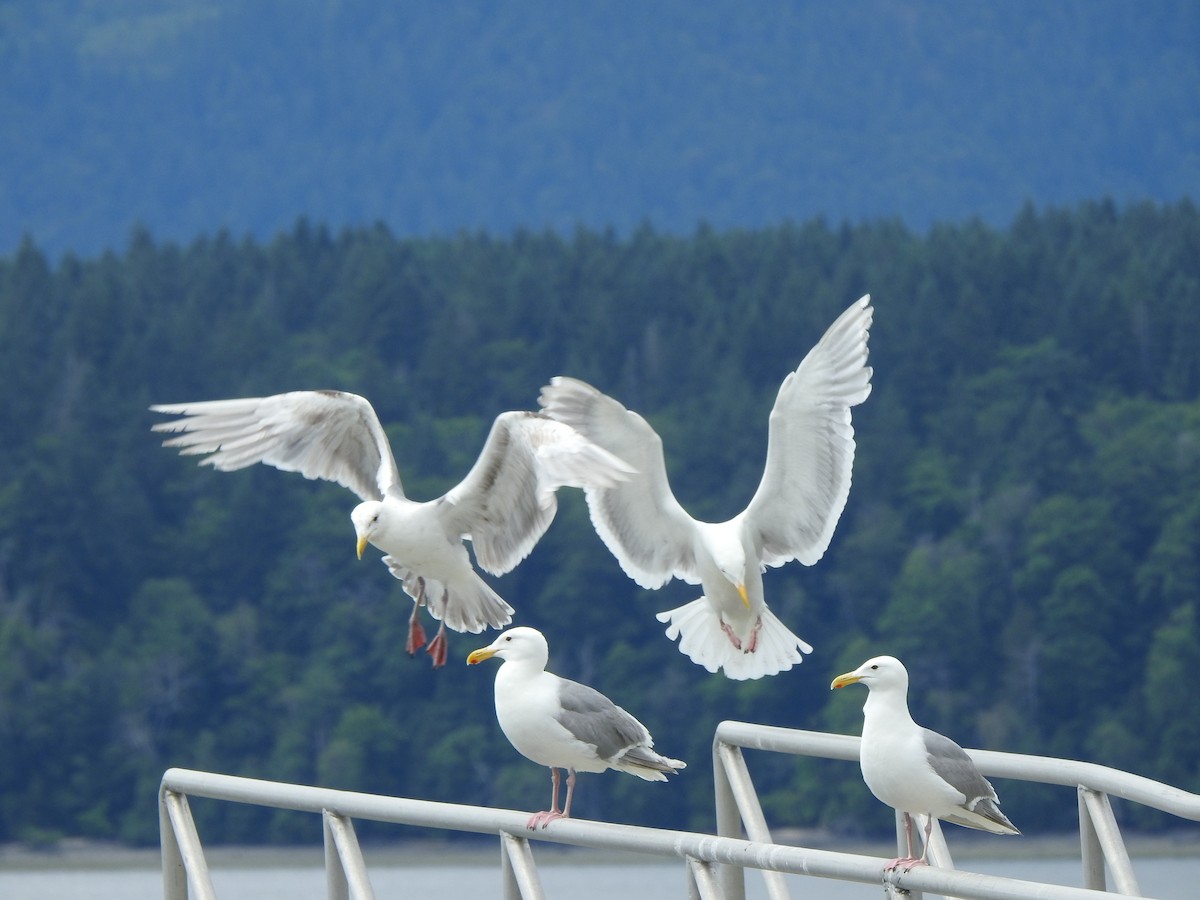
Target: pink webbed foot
<point>438,648</point>
<point>905,863</point>
<point>416,634</point>
<point>542,819</point>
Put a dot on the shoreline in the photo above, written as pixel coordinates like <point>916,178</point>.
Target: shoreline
<point>76,853</point>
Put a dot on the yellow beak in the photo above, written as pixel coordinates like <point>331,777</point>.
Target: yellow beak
<point>478,656</point>
<point>742,593</point>
<point>362,544</point>
<point>843,680</point>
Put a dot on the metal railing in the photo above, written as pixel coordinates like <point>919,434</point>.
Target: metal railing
<point>1101,843</point>
<point>714,864</point>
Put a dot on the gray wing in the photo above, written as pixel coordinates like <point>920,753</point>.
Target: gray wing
<point>810,450</point>
<point>507,500</point>
<point>639,520</point>
<point>952,764</point>
<point>330,435</point>
<point>979,809</point>
<point>594,719</point>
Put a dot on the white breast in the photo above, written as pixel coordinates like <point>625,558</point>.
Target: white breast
<point>526,708</point>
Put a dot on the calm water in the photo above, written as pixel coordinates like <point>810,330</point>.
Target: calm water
<point>1174,878</point>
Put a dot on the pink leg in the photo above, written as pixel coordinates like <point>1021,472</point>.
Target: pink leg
<point>729,633</point>
<point>542,819</point>
<point>416,634</point>
<point>570,793</point>
<point>754,636</point>
<point>438,647</point>
<point>907,862</point>
<point>924,860</point>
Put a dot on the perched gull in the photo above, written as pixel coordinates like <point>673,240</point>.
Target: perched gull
<point>503,506</point>
<point>563,724</point>
<point>810,454</point>
<point>915,770</point>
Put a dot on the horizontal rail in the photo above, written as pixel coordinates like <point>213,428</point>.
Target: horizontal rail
<point>1040,769</point>
<point>607,836</point>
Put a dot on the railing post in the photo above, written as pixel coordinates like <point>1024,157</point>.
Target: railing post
<point>729,823</point>
<point>702,883</point>
<point>345,872</point>
<point>1089,846</point>
<point>337,887</point>
<point>183,828</point>
<point>520,874</point>
<point>174,874</point>
<point>1108,838</point>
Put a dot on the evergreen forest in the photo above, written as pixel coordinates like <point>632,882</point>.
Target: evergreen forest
<point>1023,529</point>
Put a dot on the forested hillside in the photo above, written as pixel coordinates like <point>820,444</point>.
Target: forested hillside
<point>1023,529</point>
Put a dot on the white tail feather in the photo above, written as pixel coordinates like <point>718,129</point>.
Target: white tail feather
<point>470,606</point>
<point>705,643</point>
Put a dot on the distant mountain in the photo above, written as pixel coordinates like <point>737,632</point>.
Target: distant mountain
<point>189,116</point>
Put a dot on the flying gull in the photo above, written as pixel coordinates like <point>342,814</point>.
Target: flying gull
<point>503,506</point>
<point>914,770</point>
<point>810,454</point>
<point>563,724</point>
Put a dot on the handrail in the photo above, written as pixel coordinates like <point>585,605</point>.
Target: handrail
<point>1041,769</point>
<point>698,852</point>
<point>1100,839</point>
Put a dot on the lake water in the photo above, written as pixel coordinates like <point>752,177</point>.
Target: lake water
<point>563,875</point>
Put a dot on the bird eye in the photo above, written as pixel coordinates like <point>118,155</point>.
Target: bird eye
<point>875,667</point>
<point>509,638</point>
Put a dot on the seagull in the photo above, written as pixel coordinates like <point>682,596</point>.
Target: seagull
<point>915,770</point>
<point>563,724</point>
<point>503,506</point>
<point>810,454</point>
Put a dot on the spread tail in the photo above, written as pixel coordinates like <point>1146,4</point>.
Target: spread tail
<point>468,606</point>
<point>701,639</point>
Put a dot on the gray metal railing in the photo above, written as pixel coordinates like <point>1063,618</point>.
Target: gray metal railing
<point>1101,843</point>
<point>714,864</point>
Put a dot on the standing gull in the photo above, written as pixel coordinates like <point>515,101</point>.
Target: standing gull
<point>915,770</point>
<point>503,506</point>
<point>562,724</point>
<point>810,454</point>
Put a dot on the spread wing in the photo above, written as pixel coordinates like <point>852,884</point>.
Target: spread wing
<point>328,435</point>
<point>639,520</point>
<point>810,450</point>
<point>507,501</point>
